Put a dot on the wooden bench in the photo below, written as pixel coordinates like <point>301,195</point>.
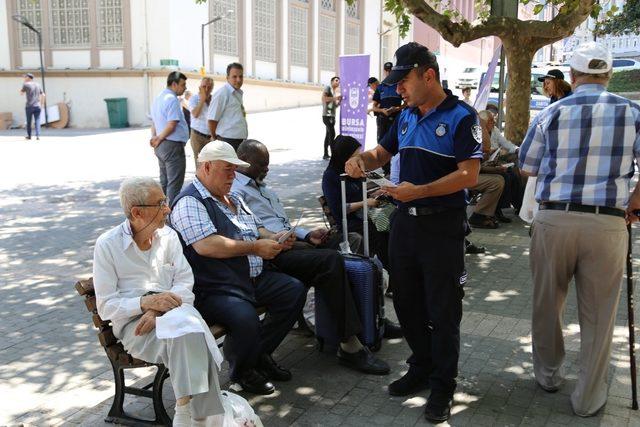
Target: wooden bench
<point>121,360</point>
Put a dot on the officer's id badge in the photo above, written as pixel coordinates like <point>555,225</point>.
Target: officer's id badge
<point>404,128</point>
<point>476,131</point>
<point>441,130</point>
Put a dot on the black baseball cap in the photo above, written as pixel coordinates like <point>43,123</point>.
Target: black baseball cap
<point>552,74</point>
<point>388,66</point>
<point>411,55</point>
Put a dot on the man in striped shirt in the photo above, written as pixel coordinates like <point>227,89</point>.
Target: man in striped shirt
<point>582,150</point>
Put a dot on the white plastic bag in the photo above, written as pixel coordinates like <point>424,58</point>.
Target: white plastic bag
<point>238,412</point>
<point>529,205</point>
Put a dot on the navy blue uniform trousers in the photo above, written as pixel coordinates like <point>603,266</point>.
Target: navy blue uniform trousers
<point>427,266</point>
<point>247,338</point>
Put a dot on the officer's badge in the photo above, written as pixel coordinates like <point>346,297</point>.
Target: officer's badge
<point>404,128</point>
<point>476,131</point>
<point>441,130</point>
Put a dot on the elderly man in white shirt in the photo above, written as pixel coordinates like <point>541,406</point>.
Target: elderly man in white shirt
<point>226,116</point>
<point>143,284</point>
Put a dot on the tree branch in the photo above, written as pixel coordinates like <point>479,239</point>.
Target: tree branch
<point>457,33</point>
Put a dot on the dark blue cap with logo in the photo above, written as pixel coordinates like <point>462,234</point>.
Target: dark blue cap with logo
<point>411,55</point>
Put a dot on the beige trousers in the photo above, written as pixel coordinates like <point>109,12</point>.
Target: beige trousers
<point>490,186</point>
<point>592,249</point>
<point>197,144</point>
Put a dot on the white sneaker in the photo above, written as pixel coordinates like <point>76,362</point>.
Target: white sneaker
<point>182,417</point>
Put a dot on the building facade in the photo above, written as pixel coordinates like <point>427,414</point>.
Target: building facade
<point>95,49</point>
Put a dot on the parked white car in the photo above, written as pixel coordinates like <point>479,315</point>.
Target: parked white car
<point>625,64</point>
<point>470,77</point>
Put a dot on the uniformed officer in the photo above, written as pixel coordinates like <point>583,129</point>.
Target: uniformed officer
<point>387,104</point>
<point>438,138</point>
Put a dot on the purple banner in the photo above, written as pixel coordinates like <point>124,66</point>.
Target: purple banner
<point>354,73</point>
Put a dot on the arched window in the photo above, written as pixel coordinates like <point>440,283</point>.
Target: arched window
<point>327,35</point>
<point>352,29</point>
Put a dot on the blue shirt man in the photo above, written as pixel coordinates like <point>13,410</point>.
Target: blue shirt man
<point>438,138</point>
<point>169,134</point>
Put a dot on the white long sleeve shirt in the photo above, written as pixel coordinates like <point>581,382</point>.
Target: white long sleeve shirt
<point>122,273</point>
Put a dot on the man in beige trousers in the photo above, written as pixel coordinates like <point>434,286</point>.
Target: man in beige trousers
<point>582,150</point>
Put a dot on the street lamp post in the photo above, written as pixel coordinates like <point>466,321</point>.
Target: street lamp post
<point>24,21</point>
<point>216,19</point>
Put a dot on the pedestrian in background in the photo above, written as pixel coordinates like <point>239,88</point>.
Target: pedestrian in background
<point>330,100</point>
<point>34,98</point>
<point>169,134</point>
<point>582,149</point>
<point>199,105</point>
<point>227,119</point>
<point>466,95</point>
<point>184,103</point>
<point>554,85</point>
<point>387,104</point>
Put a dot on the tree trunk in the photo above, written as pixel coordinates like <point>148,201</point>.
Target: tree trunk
<point>519,54</point>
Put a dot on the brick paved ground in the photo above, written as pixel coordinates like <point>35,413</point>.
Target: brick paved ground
<point>61,194</point>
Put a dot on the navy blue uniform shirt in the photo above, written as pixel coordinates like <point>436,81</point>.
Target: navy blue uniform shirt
<point>387,96</point>
<point>431,146</point>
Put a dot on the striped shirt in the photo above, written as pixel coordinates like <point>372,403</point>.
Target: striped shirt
<point>190,218</point>
<point>582,148</point>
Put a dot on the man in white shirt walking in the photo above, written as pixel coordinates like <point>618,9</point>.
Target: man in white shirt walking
<point>199,105</point>
<point>226,116</point>
<point>169,134</point>
<point>139,274</point>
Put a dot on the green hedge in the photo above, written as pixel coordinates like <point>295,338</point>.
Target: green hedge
<point>625,81</point>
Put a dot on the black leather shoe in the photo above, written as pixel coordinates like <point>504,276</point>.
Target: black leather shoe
<point>501,217</point>
<point>471,248</point>
<point>270,369</point>
<point>254,382</point>
<point>363,361</point>
<point>408,384</point>
<point>438,409</point>
<point>392,330</point>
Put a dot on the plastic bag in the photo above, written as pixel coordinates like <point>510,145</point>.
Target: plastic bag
<point>529,205</point>
<point>238,412</point>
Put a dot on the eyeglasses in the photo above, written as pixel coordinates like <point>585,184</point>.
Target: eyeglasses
<point>161,204</point>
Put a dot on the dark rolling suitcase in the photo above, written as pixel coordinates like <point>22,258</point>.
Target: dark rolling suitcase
<point>365,277</point>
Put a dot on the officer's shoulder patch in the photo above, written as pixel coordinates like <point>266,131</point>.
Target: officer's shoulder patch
<point>476,131</point>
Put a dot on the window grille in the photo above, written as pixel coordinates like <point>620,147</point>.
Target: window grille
<point>110,23</point>
<point>225,30</point>
<point>328,5</point>
<point>327,42</point>
<point>353,10</point>
<point>32,10</point>
<point>352,38</point>
<point>70,23</point>
<point>264,30</point>
<point>298,36</point>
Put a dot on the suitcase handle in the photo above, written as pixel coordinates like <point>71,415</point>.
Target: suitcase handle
<point>365,212</point>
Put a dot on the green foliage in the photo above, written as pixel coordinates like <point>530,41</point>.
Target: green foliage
<point>625,22</point>
<point>625,81</point>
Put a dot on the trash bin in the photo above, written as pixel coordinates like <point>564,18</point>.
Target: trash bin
<point>118,114</point>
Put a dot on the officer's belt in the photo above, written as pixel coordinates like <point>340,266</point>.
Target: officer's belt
<point>424,210</point>
<point>576,207</point>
